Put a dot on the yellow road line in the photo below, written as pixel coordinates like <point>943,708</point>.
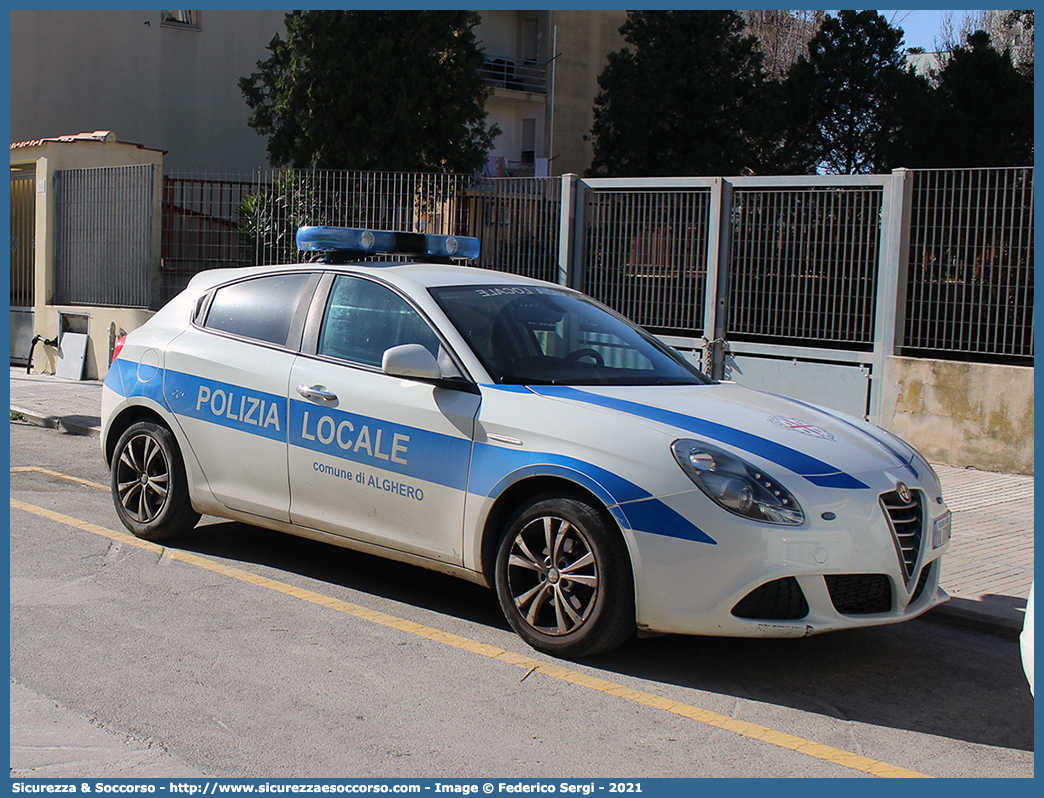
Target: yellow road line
<point>743,728</point>
<point>87,482</point>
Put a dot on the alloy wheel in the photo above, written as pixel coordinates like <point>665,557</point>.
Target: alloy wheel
<point>143,478</point>
<point>553,576</point>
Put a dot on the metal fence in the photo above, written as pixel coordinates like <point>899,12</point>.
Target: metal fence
<point>222,220</point>
<point>23,262</point>
<point>23,232</point>
<point>805,263</point>
<point>103,236</point>
<point>807,266</point>
<point>518,222</point>
<point>200,228</point>
<point>645,255</point>
<point>970,287</point>
<point>212,221</point>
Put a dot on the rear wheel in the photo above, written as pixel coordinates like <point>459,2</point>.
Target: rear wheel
<point>149,487</point>
<point>564,579</point>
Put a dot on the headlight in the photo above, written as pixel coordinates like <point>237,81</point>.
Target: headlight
<point>736,485</point>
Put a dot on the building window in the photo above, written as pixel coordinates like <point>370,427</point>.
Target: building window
<point>528,141</point>
<point>181,19</point>
<point>530,39</point>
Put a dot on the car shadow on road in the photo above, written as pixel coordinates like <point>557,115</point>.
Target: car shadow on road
<point>346,568</point>
<point>922,676</point>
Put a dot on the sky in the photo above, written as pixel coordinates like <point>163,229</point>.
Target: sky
<point>921,28</point>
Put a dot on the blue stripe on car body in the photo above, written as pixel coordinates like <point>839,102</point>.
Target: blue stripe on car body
<point>410,451</point>
<point>492,469</point>
<point>813,469</point>
<point>642,511</point>
<point>243,409</point>
<point>114,378</point>
<point>126,382</point>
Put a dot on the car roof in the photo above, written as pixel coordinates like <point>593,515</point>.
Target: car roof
<point>421,274</point>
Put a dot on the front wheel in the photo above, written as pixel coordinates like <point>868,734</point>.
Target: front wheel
<point>149,487</point>
<point>564,579</point>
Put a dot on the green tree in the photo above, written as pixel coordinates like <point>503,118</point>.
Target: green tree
<point>688,97</point>
<point>373,90</point>
<point>988,108</point>
<point>909,125</point>
<point>851,84</point>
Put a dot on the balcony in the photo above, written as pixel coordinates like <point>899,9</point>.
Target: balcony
<point>515,74</point>
<point>498,166</point>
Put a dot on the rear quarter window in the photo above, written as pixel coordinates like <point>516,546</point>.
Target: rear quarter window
<point>262,309</point>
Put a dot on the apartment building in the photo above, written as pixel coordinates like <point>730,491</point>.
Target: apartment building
<point>544,67</point>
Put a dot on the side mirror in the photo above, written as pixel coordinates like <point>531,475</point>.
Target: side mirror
<point>412,361</point>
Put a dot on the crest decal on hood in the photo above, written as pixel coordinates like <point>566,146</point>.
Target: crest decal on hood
<point>797,425</point>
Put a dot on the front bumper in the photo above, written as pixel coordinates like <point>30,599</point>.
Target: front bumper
<point>869,565</point>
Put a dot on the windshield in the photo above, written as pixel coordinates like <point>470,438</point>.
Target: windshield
<point>532,335</point>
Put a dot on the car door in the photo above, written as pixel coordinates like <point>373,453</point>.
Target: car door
<point>226,381</point>
<point>372,457</point>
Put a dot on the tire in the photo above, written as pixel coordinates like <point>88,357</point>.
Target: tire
<point>149,488</point>
<point>580,603</point>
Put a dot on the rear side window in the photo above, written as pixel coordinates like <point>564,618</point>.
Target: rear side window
<point>262,309</point>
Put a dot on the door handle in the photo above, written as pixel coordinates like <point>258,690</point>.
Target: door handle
<point>317,392</point>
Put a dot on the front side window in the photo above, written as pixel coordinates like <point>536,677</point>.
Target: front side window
<point>262,309</point>
<point>532,335</point>
<point>363,319</point>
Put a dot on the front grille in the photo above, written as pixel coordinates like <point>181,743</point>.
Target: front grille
<point>781,600</point>
<point>906,520</point>
<point>860,594</point>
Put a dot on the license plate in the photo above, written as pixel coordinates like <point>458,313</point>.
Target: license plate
<point>941,530</point>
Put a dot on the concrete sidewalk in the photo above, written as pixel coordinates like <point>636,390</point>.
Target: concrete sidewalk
<point>66,405</point>
<point>987,571</point>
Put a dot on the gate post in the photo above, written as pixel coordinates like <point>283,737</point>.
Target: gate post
<point>715,301</point>
<point>567,230</point>
<point>892,273</point>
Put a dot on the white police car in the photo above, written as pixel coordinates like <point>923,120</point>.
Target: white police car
<point>518,434</point>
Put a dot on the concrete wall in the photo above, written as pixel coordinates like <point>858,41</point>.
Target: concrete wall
<point>497,33</point>
<point>964,414</point>
<point>96,364</point>
<point>171,88</point>
<point>509,117</point>
<point>585,39</point>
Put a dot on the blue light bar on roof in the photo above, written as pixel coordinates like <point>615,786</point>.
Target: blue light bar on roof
<point>382,242</point>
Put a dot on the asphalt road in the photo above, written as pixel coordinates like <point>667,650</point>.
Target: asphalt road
<point>240,652</point>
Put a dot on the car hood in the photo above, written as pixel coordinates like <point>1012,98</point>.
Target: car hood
<point>826,447</point>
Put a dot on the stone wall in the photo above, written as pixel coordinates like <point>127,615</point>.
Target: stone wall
<point>963,414</point>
